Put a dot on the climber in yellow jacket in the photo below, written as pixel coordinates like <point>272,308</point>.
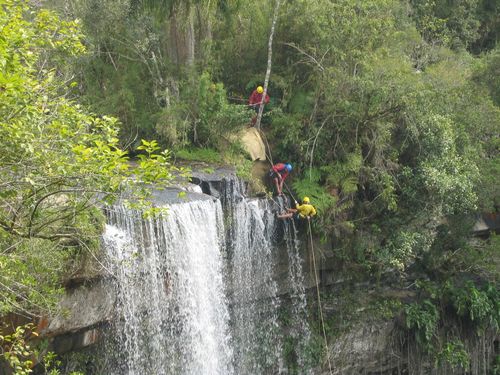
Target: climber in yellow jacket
<point>301,211</point>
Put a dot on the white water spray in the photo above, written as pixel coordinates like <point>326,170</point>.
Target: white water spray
<point>174,316</point>
<point>197,290</point>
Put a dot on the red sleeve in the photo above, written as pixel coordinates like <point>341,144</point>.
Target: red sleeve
<point>278,167</point>
<point>267,99</point>
<point>285,175</point>
<point>254,98</point>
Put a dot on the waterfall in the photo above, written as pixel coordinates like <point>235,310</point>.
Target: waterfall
<point>254,319</point>
<point>197,290</point>
<point>299,330</point>
<point>170,291</point>
<point>255,264</point>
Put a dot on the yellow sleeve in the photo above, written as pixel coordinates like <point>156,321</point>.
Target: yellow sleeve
<point>313,212</point>
<point>297,206</point>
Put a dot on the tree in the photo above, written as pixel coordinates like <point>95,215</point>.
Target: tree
<point>59,163</point>
<point>269,63</point>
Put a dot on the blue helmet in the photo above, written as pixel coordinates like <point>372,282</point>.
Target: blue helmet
<point>288,167</point>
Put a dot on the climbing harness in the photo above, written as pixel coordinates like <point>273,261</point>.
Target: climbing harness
<point>319,299</point>
<point>269,156</point>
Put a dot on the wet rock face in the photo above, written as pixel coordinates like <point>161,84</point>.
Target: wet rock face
<point>86,311</point>
<point>366,349</point>
<point>77,341</point>
<point>215,183</point>
<point>83,307</point>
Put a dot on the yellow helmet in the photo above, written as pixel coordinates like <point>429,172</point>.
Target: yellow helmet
<point>305,200</point>
<point>260,89</point>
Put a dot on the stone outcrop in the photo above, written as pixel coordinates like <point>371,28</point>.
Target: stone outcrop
<point>88,306</point>
<point>82,308</point>
<point>252,142</point>
<point>366,349</point>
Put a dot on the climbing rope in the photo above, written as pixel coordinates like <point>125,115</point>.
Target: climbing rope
<point>269,155</point>
<point>289,192</point>
<point>276,203</point>
<point>269,158</point>
<point>319,299</point>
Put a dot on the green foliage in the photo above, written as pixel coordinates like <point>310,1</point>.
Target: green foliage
<point>455,24</point>
<point>430,318</point>
<point>496,365</point>
<point>20,355</point>
<point>310,186</point>
<point>448,176</point>
<point>153,162</point>
<point>201,116</point>
<point>321,198</point>
<point>53,365</point>
<point>16,350</point>
<point>489,74</point>
<point>59,162</point>
<point>423,318</point>
<point>397,125</point>
<point>458,24</point>
<point>344,174</point>
<point>391,124</point>
<point>207,155</point>
<point>402,249</point>
<point>31,280</point>
<point>243,167</point>
<point>453,353</point>
<point>385,309</point>
<point>481,306</point>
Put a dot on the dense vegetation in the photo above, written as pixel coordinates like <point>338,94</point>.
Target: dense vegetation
<point>59,164</point>
<point>388,109</point>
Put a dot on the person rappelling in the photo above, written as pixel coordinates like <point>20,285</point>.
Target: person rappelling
<point>278,173</point>
<point>301,211</point>
<point>255,100</point>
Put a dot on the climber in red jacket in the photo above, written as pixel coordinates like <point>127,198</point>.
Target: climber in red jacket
<point>256,98</point>
<point>279,172</point>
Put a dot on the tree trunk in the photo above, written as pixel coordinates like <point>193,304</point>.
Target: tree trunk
<point>173,44</point>
<point>190,37</point>
<point>269,63</point>
<point>204,34</point>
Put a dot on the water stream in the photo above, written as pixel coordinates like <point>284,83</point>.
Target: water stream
<point>170,288</point>
<point>196,290</point>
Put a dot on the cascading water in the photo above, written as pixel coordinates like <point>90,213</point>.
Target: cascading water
<point>257,330</point>
<point>299,330</point>
<point>197,293</point>
<point>254,318</point>
<point>170,291</point>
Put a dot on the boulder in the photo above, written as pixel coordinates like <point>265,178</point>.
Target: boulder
<point>252,143</point>
<point>83,307</point>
